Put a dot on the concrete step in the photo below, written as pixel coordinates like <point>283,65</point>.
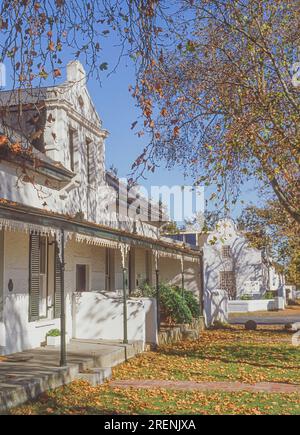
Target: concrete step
<point>110,358</point>
<point>28,389</point>
<point>89,360</point>
<point>95,376</point>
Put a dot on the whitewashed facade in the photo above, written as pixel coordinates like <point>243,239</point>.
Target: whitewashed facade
<point>231,263</point>
<point>233,266</point>
<point>54,212</point>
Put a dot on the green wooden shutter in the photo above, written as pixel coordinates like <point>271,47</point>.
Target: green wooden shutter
<point>34,277</point>
<point>57,293</point>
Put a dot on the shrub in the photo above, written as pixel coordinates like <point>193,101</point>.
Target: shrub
<point>148,291</point>
<point>174,307</point>
<point>53,333</point>
<point>144,291</point>
<point>246,298</point>
<point>269,295</point>
<point>191,302</point>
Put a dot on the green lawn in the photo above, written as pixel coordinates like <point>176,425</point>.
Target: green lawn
<point>80,398</point>
<point>234,355</point>
<point>230,355</point>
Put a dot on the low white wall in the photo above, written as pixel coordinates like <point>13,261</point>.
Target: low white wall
<point>251,306</point>
<point>150,308</point>
<point>280,303</point>
<point>215,307</point>
<point>20,334</point>
<point>99,316</point>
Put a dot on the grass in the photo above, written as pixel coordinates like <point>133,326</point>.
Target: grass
<point>232,355</point>
<point>223,355</point>
<point>80,398</point>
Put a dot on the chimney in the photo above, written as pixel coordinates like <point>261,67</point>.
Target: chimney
<point>76,72</point>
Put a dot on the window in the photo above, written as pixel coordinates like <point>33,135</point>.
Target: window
<point>228,283</point>
<point>226,251</point>
<point>71,148</point>
<point>81,278</point>
<point>88,161</point>
<point>90,164</point>
<point>38,278</point>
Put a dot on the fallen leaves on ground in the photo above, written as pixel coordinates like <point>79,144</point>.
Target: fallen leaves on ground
<point>222,355</point>
<point>80,398</point>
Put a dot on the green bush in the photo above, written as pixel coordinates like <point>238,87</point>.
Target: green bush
<point>269,295</point>
<point>173,305</point>
<point>53,333</point>
<point>191,301</point>
<point>246,298</point>
<point>145,290</point>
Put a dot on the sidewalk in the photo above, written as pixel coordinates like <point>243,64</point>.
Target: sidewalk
<point>261,387</point>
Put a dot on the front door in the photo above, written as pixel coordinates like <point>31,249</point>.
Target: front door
<point>81,278</point>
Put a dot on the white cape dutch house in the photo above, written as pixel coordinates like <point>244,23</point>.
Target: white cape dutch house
<point>232,264</point>
<point>233,270</point>
<point>64,258</point>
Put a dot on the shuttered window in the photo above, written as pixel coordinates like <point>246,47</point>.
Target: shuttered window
<point>38,268</point>
<point>34,278</point>
<point>57,285</point>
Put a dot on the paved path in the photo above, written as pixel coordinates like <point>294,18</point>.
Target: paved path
<point>261,387</point>
<point>263,320</point>
<point>289,315</point>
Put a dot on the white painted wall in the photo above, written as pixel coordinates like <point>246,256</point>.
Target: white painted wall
<point>150,308</point>
<point>215,307</point>
<point>251,306</point>
<point>17,333</point>
<point>246,261</point>
<point>170,272</point>
<point>100,316</point>
<point>20,334</point>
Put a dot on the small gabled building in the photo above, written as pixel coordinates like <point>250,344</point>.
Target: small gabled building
<point>232,264</point>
